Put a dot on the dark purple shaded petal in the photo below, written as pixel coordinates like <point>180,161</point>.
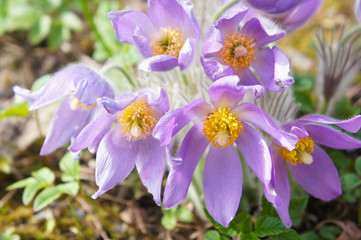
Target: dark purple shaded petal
<point>273,68</point>
<point>255,151</point>
<point>186,54</point>
<point>114,161</point>
<point>250,83</point>
<point>254,29</point>
<point>26,94</point>
<point>150,164</point>
<point>114,106</point>
<point>215,70</point>
<point>125,22</point>
<point>160,101</point>
<point>230,21</point>
<point>142,42</point>
<point>351,125</point>
<point>222,183</point>
<point>250,113</point>
<point>65,124</point>
<point>158,63</point>
<point>274,6</point>
<point>171,123</point>
<point>180,177</point>
<point>91,134</point>
<point>226,92</point>
<point>332,138</point>
<point>213,43</point>
<point>297,129</point>
<point>320,178</point>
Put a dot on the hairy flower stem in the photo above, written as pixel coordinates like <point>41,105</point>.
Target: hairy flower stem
<point>225,8</point>
<point>356,30</point>
<point>111,66</point>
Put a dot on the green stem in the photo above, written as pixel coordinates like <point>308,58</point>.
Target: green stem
<point>223,9</point>
<point>350,34</point>
<point>121,69</point>
<point>77,223</point>
<point>94,29</point>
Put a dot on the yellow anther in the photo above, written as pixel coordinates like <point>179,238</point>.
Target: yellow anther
<point>167,41</point>
<point>237,51</point>
<point>76,104</point>
<point>137,120</point>
<point>222,127</point>
<point>301,153</point>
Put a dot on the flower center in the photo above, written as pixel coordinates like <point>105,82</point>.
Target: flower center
<point>76,104</point>
<point>301,153</point>
<point>167,41</point>
<point>137,120</point>
<point>222,127</point>
<point>237,51</point>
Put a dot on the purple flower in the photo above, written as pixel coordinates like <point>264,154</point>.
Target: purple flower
<point>274,6</point>
<point>308,163</point>
<point>233,52</point>
<point>128,142</point>
<point>222,126</point>
<point>166,38</point>
<point>80,87</point>
<point>357,10</point>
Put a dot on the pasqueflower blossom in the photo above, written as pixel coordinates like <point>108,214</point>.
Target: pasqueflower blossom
<point>220,126</point>
<point>244,53</point>
<point>166,38</point>
<point>79,86</point>
<point>309,164</point>
<point>127,142</point>
<point>357,10</point>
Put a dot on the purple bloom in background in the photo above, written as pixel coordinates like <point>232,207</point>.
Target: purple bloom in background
<point>274,6</point>
<point>357,10</point>
<point>226,123</point>
<point>166,38</point>
<point>80,87</point>
<point>129,142</point>
<point>244,53</point>
<point>309,164</point>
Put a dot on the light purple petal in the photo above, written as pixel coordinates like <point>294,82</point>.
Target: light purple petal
<point>114,161</point>
<point>161,101</point>
<point>250,83</point>
<point>357,10</point>
<point>65,124</point>
<point>26,94</point>
<point>186,54</point>
<point>274,6</point>
<point>250,113</point>
<point>213,42</point>
<point>142,41</point>
<point>332,138</point>
<point>320,178</point>
<point>114,106</point>
<point>273,68</point>
<point>215,70</point>
<point>194,31</point>
<point>254,29</point>
<point>255,151</point>
<point>171,123</point>
<point>125,22</point>
<point>222,183</point>
<point>180,177</point>
<point>158,63</point>
<point>351,125</point>
<point>150,164</point>
<point>229,22</point>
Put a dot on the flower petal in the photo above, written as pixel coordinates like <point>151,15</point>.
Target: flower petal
<point>26,94</point>
<point>114,106</point>
<point>142,42</point>
<point>230,21</point>
<point>250,83</point>
<point>180,177</point>
<point>332,138</point>
<point>186,54</point>
<point>222,183</point>
<point>114,161</point>
<point>160,101</point>
<point>171,123</point>
<point>250,113</point>
<point>158,63</point>
<point>320,178</point>
<point>150,164</point>
<point>213,42</point>
<point>274,6</point>
<point>351,125</point>
<point>215,70</point>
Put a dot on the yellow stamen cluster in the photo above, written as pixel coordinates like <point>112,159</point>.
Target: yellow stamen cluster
<point>301,153</point>
<point>167,41</point>
<point>222,127</point>
<point>237,51</point>
<point>137,120</point>
<point>76,104</point>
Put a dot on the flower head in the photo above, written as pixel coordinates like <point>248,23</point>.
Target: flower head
<point>127,142</point>
<point>79,86</point>
<point>221,126</point>
<point>166,38</point>
<point>357,10</point>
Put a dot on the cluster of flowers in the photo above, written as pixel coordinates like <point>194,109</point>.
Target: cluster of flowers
<point>137,129</point>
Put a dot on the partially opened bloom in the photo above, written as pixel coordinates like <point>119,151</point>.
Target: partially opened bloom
<point>244,52</point>
<point>309,164</point>
<point>357,10</point>
<point>220,126</point>
<point>166,38</point>
<point>128,142</point>
<point>79,87</point>
<point>274,6</point>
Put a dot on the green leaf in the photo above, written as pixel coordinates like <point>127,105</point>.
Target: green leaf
<point>40,82</point>
<point>247,225</point>
<point>289,235</point>
<point>248,236</point>
<point>5,164</point>
<point>22,183</point>
<point>71,21</point>
<point>184,214</point>
<point>58,35</point>
<point>71,188</point>
<point>303,82</point>
<point>234,227</point>
<point>169,220</point>
<point>212,235</point>
<point>266,225</point>
<point>297,208</point>
<point>310,235</point>
<point>305,100</point>
<point>21,16</point>
<point>267,208</point>
<point>358,165</point>
<point>340,159</point>
<point>44,175</point>
<point>349,181</point>
<point>30,191</point>
<point>329,232</point>
<point>40,29</point>
<point>47,196</point>
<point>16,110</point>
<point>344,109</point>
<point>70,167</point>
